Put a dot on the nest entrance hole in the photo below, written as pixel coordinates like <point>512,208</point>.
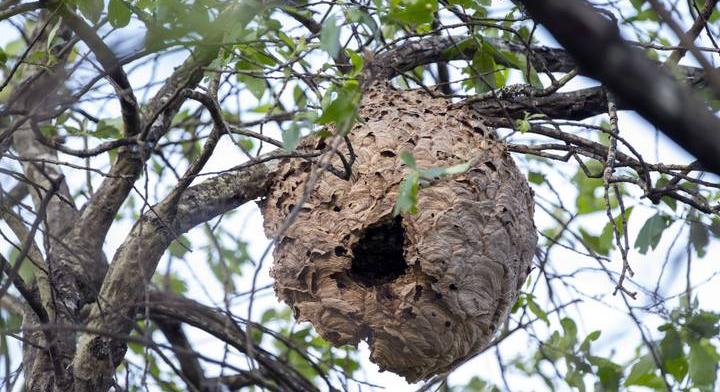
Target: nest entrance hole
<point>378,255</point>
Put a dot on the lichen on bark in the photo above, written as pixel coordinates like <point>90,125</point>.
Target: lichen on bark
<point>426,290</point>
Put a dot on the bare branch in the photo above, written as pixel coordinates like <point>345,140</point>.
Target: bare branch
<point>694,31</point>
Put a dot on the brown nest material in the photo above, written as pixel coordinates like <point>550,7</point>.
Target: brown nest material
<point>426,290</point>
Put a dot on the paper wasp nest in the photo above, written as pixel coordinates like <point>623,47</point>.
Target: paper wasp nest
<point>426,290</point>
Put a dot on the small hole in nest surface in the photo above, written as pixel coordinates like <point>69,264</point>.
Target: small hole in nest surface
<point>378,256</point>
<point>340,251</point>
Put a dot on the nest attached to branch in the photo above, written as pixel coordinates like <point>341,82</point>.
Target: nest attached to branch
<point>426,290</point>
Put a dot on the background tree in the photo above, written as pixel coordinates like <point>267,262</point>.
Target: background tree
<point>127,124</point>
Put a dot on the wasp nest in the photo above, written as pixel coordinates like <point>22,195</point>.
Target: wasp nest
<point>426,290</point>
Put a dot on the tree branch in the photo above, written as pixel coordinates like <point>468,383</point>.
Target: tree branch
<point>224,328</point>
<point>189,363</point>
<point>434,49</point>
<point>136,260</point>
<point>631,76</point>
<point>111,66</point>
<point>694,31</point>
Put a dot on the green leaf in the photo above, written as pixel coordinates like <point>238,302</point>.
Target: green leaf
<point>651,233</point>
<point>341,109</point>
<point>413,12</point>
<point>177,249</point>
<point>408,195</point>
<point>257,86</point>
<point>118,13</point>
<point>670,202</point>
<point>91,9</point>
<point>246,144</point>
<point>591,337</point>
<point>357,62</point>
<point>604,243</point>
<point>715,227</point>
<point>52,33</point>
<point>136,348</point>
<point>570,329</point>
<point>599,244</point>
<point>575,379</point>
<point>519,303</point>
<point>409,159</point>
<point>703,361</point>
<point>291,137</point>
<point>677,367</point>
<point>609,374</point>
<point>537,310</point>
<point>470,4</point>
<point>522,125</point>
<point>536,178</point>
<point>618,222</point>
<point>643,374</point>
<point>704,324</point>
<point>358,15</point>
<point>435,173</point>
<point>699,236</point>
<point>300,97</point>
<point>173,282</point>
<point>330,36</point>
<point>590,197</point>
<point>483,70</point>
<point>105,130</point>
<point>457,169</point>
<point>268,315</point>
<point>671,346</point>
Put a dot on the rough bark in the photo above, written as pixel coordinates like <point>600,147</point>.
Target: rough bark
<point>135,262</point>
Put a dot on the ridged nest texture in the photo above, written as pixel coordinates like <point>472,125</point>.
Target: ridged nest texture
<point>425,290</point>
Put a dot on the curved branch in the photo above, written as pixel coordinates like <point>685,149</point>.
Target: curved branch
<point>21,9</point>
<point>434,49</point>
<point>112,67</point>
<point>224,328</point>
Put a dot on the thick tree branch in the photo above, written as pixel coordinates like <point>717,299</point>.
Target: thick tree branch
<point>574,105</point>
<point>14,196</point>
<point>434,49</point>
<point>20,9</point>
<point>136,260</point>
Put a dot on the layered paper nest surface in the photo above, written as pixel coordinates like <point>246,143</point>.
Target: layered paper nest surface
<point>425,290</point>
